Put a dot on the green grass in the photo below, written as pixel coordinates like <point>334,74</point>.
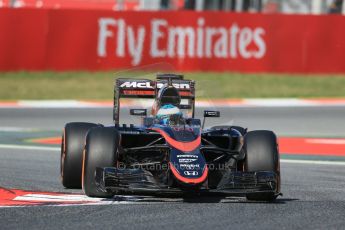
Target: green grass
<point>99,85</point>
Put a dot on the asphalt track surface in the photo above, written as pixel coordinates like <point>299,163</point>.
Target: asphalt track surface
<point>314,195</point>
<point>303,121</point>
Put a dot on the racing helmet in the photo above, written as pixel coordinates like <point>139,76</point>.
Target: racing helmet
<point>167,112</point>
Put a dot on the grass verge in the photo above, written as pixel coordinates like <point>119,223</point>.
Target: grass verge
<point>99,85</point>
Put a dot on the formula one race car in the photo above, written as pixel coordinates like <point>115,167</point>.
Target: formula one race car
<point>170,152</point>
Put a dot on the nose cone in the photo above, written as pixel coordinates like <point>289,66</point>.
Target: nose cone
<point>188,168</point>
<point>193,177</point>
<point>187,164</point>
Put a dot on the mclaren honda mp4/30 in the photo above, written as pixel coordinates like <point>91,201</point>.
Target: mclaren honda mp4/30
<point>170,152</point>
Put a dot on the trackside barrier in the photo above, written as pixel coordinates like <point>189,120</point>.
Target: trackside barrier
<point>43,39</point>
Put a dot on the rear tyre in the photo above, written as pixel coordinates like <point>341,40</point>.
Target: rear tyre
<point>100,151</point>
<point>72,145</point>
<point>262,155</point>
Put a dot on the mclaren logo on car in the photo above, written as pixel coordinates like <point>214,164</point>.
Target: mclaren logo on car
<point>134,84</point>
<point>147,85</point>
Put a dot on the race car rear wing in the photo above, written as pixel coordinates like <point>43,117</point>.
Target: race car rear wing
<point>145,88</point>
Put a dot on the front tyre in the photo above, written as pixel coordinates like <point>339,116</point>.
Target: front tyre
<point>101,150</point>
<point>262,155</point>
<point>72,145</point>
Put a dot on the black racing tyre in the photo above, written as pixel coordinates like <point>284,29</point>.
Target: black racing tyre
<point>72,145</point>
<point>242,130</point>
<point>100,151</point>
<point>262,155</point>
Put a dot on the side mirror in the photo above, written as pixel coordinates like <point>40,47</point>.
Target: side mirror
<point>138,112</point>
<point>209,113</point>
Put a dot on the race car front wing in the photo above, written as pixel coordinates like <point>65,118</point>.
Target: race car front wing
<point>140,180</point>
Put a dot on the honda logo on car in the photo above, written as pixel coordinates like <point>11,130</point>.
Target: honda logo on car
<point>191,173</point>
<point>157,38</point>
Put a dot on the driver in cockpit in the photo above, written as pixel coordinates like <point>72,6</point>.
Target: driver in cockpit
<point>169,115</point>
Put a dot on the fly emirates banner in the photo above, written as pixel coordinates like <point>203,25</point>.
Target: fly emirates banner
<point>187,41</point>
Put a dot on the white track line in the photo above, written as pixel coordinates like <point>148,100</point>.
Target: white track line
<point>29,147</point>
<point>17,129</point>
<point>313,162</point>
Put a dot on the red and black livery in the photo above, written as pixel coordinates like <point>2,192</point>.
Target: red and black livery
<point>179,157</point>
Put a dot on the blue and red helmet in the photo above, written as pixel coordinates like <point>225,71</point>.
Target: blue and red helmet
<point>165,112</point>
